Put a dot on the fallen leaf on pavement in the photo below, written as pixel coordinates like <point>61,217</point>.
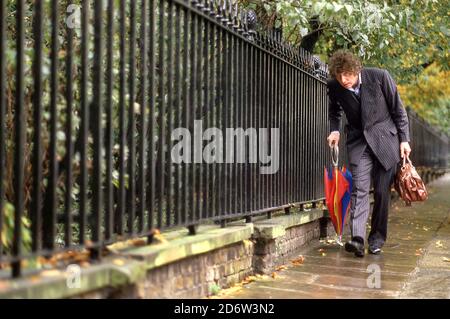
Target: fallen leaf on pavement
<point>157,236</point>
<point>121,245</point>
<point>298,261</point>
<point>81,256</point>
<point>248,280</point>
<point>446,259</point>
<point>51,273</point>
<point>35,279</point>
<point>230,290</point>
<point>4,285</point>
<point>118,262</point>
<point>274,275</point>
<point>139,242</point>
<point>281,268</point>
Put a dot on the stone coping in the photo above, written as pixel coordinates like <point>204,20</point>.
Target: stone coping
<point>180,245</point>
<point>53,284</point>
<point>276,227</point>
<point>128,266</point>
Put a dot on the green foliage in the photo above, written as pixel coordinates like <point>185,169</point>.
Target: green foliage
<point>61,102</point>
<point>429,96</point>
<point>7,231</point>
<point>214,289</point>
<point>404,37</point>
<point>379,31</point>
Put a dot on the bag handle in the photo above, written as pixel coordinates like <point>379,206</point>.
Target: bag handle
<point>404,160</point>
<point>335,153</point>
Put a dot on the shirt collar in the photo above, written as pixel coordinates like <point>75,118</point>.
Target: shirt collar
<point>356,89</point>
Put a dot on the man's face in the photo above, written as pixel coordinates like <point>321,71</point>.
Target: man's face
<point>347,79</point>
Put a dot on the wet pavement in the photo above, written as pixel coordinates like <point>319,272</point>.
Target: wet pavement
<point>415,261</point>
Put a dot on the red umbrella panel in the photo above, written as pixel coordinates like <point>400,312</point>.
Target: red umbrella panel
<point>338,187</point>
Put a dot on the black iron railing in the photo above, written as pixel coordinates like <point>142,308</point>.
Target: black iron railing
<point>430,146</point>
<point>102,119</point>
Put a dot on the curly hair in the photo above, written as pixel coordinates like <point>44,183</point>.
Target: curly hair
<point>344,61</point>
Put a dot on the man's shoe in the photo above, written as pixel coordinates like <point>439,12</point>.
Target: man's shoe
<point>355,246</point>
<point>374,250</point>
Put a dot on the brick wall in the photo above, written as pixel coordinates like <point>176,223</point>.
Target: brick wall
<point>196,277</point>
<point>271,253</point>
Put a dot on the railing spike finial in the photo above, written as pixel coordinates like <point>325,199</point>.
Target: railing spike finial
<point>251,20</point>
<point>230,21</point>
<point>244,23</point>
<point>286,48</point>
<point>292,51</point>
<point>224,13</point>
<point>212,6</point>
<point>206,6</point>
<point>263,38</point>
<point>250,24</point>
<point>223,6</point>
<point>240,20</point>
<point>218,9</point>
<point>234,16</point>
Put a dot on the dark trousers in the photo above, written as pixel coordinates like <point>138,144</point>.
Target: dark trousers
<point>369,170</point>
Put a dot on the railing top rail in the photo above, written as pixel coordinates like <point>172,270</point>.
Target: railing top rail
<point>242,24</point>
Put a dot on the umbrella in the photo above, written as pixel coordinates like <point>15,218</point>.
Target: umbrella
<point>338,187</point>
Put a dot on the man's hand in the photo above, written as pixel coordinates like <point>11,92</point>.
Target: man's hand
<point>333,138</point>
<point>405,149</point>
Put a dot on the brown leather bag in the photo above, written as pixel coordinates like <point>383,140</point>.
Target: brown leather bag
<point>409,185</point>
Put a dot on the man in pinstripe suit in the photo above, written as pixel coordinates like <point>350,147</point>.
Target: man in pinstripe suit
<point>377,138</point>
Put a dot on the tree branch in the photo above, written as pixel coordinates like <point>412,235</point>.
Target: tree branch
<point>417,35</point>
<point>292,32</point>
<point>316,30</point>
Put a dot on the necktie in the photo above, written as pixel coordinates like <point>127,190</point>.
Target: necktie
<point>357,96</point>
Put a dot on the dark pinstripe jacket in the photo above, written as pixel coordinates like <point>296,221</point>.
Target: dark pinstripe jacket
<point>380,119</point>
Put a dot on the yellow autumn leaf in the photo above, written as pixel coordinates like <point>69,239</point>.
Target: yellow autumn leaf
<point>118,262</point>
<point>160,238</point>
<point>283,267</point>
<point>439,244</point>
<point>139,242</point>
<point>51,273</point>
<point>230,290</point>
